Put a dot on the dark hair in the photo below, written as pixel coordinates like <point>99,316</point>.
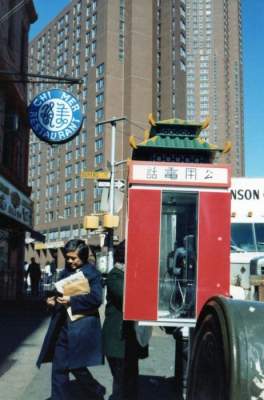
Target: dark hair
<point>79,246</point>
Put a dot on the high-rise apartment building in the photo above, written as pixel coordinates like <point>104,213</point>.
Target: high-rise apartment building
<point>207,35</point>
<point>215,72</point>
<point>169,59</point>
<point>174,58</point>
<point>109,44</point>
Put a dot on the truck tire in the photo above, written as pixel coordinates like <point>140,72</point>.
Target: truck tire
<point>227,357</point>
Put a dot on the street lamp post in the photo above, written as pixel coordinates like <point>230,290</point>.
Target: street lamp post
<point>113,121</point>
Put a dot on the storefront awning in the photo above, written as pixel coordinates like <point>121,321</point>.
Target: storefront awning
<point>35,235</point>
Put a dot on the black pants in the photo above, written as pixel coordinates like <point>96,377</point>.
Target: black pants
<point>117,370</point>
<point>34,287</point>
<point>125,376</point>
<point>60,382</point>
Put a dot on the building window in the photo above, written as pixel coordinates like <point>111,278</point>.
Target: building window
<point>82,211</point>
<point>77,182</point>
<point>99,114</point>
<point>67,212</point>
<point>50,216</point>
<point>94,33</point>
<point>98,159</point>
<point>99,129</point>
<point>87,51</point>
<point>93,60</point>
<point>67,198</point>
<point>68,184</point>
<point>98,144</point>
<point>87,37</point>
<point>88,23</point>
<point>97,192</point>
<point>68,170</point>
<point>77,168</point>
<point>121,39</point>
<point>94,18</point>
<point>182,66</point>
<point>96,206</point>
<point>93,46</point>
<point>68,156</point>
<point>99,99</point>
<point>83,195</point>
<point>182,52</point>
<point>99,84</point>
<point>83,151</point>
<point>76,211</point>
<point>100,70</point>
<point>83,137</point>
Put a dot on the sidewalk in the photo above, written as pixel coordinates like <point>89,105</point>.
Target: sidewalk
<point>23,327</point>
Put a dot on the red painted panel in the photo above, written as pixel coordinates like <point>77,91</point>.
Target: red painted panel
<point>142,255</point>
<point>213,246</point>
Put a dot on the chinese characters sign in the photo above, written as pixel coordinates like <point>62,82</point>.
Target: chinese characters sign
<point>55,116</point>
<point>180,174</point>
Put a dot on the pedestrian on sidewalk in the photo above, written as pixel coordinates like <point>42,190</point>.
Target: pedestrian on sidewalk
<point>34,273</point>
<point>121,347</point>
<point>72,346</point>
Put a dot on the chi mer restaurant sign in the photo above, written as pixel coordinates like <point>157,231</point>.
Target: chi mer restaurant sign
<point>55,116</point>
<point>15,204</point>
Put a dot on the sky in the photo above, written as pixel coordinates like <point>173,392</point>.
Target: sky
<point>253,68</point>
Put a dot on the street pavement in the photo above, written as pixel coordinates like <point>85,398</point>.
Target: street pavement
<point>22,329</point>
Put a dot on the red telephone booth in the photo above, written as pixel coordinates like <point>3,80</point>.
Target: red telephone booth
<point>178,240</point>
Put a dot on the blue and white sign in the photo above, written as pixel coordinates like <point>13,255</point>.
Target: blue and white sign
<point>55,116</point>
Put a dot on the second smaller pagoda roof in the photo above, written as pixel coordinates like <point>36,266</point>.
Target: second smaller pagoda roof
<point>177,143</point>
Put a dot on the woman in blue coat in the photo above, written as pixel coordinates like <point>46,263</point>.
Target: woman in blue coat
<point>72,346</point>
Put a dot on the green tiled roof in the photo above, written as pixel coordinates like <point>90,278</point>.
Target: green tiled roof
<point>179,143</point>
<point>177,121</point>
<point>178,127</point>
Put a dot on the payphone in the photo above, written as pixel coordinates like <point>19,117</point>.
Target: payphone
<point>178,237</point>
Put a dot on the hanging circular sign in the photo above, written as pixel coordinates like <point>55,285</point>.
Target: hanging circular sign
<point>55,116</point>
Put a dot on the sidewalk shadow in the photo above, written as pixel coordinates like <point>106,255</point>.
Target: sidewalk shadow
<point>18,320</point>
<point>74,391</point>
<point>150,387</point>
<point>157,388</point>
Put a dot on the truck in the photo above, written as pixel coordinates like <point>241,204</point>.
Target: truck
<point>247,230</point>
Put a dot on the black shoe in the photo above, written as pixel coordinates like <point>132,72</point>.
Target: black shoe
<point>101,390</point>
<point>97,393</point>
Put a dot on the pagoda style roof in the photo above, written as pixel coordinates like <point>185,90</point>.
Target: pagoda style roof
<point>177,142</point>
<point>179,127</point>
<point>175,136</point>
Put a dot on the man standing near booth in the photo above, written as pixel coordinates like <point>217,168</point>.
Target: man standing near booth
<point>121,346</point>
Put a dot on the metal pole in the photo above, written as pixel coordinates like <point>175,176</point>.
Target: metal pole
<point>112,198</point>
<point>113,122</point>
<point>112,181</point>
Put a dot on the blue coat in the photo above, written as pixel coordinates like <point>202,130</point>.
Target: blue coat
<point>84,335</point>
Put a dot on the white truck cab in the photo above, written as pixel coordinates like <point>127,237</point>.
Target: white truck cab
<point>247,229</point>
